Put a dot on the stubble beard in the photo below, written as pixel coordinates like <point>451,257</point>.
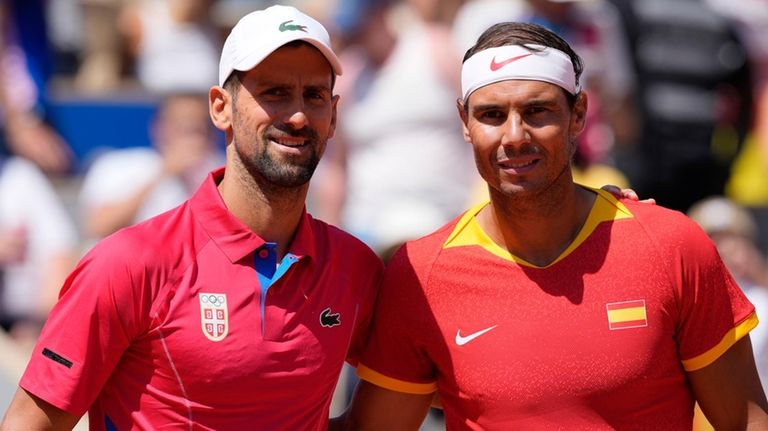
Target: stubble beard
<point>536,194</point>
<point>282,173</point>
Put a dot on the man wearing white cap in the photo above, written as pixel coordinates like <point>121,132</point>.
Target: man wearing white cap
<point>553,305</point>
<point>237,309</point>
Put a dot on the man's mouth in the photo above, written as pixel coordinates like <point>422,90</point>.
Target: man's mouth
<point>508,164</point>
<point>293,142</point>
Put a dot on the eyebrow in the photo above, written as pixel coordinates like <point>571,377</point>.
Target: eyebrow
<point>526,103</point>
<point>540,101</point>
<point>485,107</point>
<point>283,85</point>
<point>318,87</point>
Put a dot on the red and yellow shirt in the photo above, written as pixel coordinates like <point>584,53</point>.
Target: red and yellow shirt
<point>599,339</point>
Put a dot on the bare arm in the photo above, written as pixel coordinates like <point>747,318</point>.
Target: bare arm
<point>30,413</point>
<point>729,390</point>
<point>376,408</point>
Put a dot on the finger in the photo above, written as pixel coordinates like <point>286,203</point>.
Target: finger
<point>629,194</point>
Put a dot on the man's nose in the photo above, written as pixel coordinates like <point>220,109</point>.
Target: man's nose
<point>515,132</point>
<point>297,116</point>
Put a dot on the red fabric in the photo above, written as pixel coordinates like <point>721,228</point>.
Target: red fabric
<point>551,359</point>
<point>131,322</point>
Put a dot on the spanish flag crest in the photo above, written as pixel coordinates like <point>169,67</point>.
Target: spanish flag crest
<point>626,314</point>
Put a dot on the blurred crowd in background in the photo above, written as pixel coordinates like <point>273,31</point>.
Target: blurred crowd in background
<point>103,113</point>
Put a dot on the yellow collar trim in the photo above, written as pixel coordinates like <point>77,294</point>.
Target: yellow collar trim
<point>469,233</point>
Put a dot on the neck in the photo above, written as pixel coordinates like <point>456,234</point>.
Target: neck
<point>271,212</point>
<point>537,228</point>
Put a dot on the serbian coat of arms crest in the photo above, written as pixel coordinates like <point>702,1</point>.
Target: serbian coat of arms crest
<point>214,316</point>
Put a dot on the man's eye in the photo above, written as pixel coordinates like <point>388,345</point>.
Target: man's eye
<point>536,109</point>
<point>492,116</point>
<point>276,92</point>
<point>315,95</point>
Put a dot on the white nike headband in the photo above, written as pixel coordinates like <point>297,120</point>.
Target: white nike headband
<point>518,62</point>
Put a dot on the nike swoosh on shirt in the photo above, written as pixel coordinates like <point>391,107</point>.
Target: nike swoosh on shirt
<point>496,66</point>
<point>464,340</point>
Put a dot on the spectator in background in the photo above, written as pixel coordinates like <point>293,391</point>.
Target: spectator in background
<point>165,37</point>
<point>693,95</point>
<point>38,246</point>
<point>104,52</point>
<point>733,231</point>
<point>24,73</point>
<point>398,149</point>
<point>747,185</point>
<point>129,185</point>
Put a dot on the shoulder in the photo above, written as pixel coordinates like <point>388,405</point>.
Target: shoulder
<point>431,244</point>
<point>417,257</point>
<point>661,219</point>
<point>344,257</point>
<point>159,242</point>
<point>341,242</point>
<point>671,230</point>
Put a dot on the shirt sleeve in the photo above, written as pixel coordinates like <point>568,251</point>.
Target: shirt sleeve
<point>714,312</point>
<point>396,356</point>
<point>87,331</point>
<point>369,289</point>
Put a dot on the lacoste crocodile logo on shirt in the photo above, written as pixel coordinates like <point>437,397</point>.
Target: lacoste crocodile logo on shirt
<point>462,340</point>
<point>496,66</point>
<point>328,319</point>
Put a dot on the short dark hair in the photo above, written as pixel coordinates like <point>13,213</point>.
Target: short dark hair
<point>525,34</point>
<point>232,82</point>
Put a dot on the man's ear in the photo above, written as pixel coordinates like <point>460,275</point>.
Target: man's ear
<point>464,115</point>
<point>579,114</point>
<point>334,105</point>
<point>220,108</point>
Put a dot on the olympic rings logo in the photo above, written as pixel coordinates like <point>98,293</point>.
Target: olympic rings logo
<point>213,299</point>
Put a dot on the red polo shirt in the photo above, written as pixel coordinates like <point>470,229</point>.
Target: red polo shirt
<point>163,324</point>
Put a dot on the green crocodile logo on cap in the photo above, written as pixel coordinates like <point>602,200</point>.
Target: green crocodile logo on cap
<point>292,27</point>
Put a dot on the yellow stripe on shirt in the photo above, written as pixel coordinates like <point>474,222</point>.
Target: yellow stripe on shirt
<point>728,340</point>
<point>396,385</point>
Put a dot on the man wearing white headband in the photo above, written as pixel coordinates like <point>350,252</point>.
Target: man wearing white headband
<point>237,309</point>
<point>553,305</point>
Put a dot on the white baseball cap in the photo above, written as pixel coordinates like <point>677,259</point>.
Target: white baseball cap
<point>261,32</point>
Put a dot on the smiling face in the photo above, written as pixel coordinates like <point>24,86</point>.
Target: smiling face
<point>523,134</point>
<point>282,116</point>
